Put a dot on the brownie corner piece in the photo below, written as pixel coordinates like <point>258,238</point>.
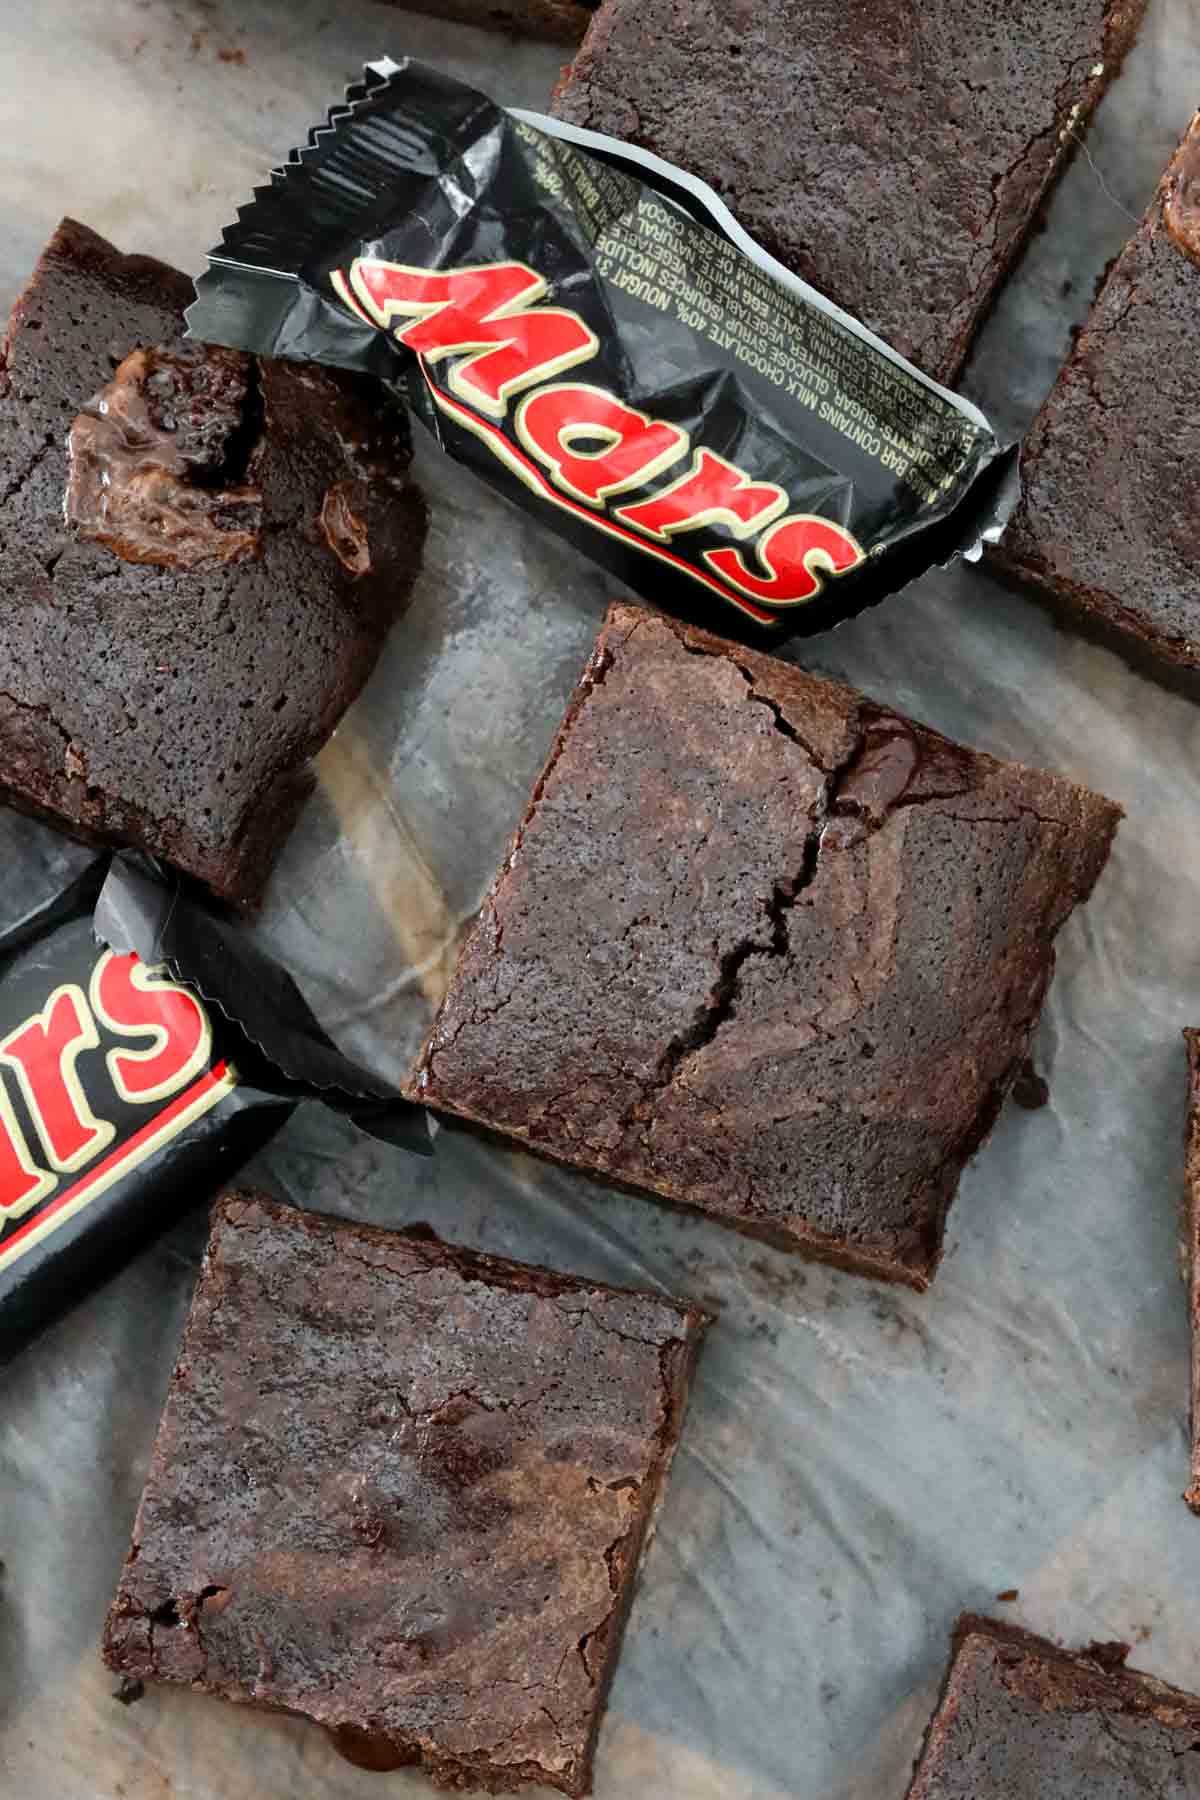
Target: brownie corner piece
<point>963,123</point>
<point>763,949</point>
<point>1190,1247</point>
<point>1103,530</point>
<point>1020,1716</point>
<point>402,1489</point>
<point>201,553</point>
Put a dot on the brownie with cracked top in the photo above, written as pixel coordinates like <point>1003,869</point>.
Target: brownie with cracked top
<point>893,156</point>
<point>200,556</point>
<point>763,948</point>
<point>562,21</point>
<point>1111,468</point>
<point>1191,1250</point>
<point>402,1489</point>
<point>1020,1717</point>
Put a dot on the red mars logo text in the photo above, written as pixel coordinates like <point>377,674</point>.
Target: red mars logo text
<point>507,352</point>
<point>161,1062</point>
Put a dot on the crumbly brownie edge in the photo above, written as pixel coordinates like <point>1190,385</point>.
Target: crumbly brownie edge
<point>1129,1691</point>
<point>1099,619</point>
<point>799,1241</point>
<point>938,1724</point>
<point>598,663</point>
<point>1092,612</point>
<point>677,1361</point>
<point>472,1265</point>
<point>1190,1248</point>
<point>1109,622</point>
<point>240,879</point>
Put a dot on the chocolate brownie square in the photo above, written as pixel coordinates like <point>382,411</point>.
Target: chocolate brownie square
<point>1191,1250</point>
<point>893,156</point>
<point>200,556</point>
<point>1111,469</point>
<point>1020,1719</point>
<point>763,948</point>
<point>402,1489</point>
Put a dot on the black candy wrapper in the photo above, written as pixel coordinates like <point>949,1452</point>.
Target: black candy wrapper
<point>147,1050</point>
<point>591,330</point>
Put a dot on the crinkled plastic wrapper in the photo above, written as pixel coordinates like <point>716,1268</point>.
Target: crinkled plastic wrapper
<point>147,1050</point>
<point>590,330</point>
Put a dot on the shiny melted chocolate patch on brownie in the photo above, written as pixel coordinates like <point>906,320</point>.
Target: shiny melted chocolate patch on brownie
<point>160,459</point>
<point>882,774</point>
<point>1181,207</point>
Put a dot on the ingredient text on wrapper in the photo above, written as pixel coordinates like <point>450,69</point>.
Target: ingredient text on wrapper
<point>705,282</point>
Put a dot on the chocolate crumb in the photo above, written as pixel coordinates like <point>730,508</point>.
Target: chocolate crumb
<point>1008,1594</point>
<point>1030,1089</point>
<point>128,1690</point>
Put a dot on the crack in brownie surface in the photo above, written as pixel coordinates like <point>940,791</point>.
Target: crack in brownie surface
<point>775,961</point>
<point>403,1489</point>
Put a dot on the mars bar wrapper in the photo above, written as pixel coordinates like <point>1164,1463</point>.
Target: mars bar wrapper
<point>147,1050</point>
<point>591,330</point>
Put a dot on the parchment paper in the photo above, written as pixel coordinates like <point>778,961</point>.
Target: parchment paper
<point>859,1463</point>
